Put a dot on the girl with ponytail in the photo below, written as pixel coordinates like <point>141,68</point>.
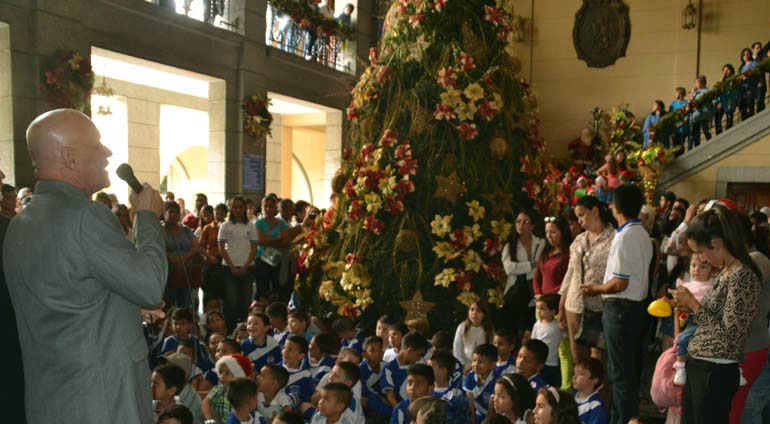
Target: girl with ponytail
<point>723,316</point>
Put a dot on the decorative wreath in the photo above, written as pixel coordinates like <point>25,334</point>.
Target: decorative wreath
<point>311,19</point>
<point>256,117</point>
<point>67,80</point>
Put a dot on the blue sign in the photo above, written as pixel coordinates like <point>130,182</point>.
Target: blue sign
<point>253,173</point>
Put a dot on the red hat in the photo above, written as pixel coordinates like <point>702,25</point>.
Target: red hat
<point>239,365</point>
<point>244,362</point>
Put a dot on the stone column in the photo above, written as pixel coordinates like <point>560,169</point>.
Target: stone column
<point>273,164</point>
<point>144,140</point>
<point>332,152</point>
<point>217,146</point>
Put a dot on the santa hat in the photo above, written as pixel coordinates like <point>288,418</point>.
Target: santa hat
<point>239,365</point>
<point>582,178</point>
<point>600,181</point>
<point>729,204</point>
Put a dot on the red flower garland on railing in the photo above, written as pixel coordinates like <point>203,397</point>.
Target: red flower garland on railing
<point>67,80</point>
<point>256,117</point>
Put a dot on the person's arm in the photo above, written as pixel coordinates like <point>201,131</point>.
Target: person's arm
<point>471,408</point>
<point>537,284</point>
<point>253,250</point>
<point>510,264</point>
<point>457,345</point>
<point>263,239</point>
<point>206,408</point>
<point>614,285</point>
<point>138,274</point>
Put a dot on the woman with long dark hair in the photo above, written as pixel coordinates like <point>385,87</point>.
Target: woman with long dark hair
<point>519,257</point>
<point>181,249</point>
<point>749,87</point>
<point>658,110</point>
<point>271,242</point>
<point>238,246</point>
<point>587,263</point>
<point>723,316</point>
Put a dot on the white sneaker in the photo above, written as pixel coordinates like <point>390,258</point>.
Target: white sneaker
<point>742,381</point>
<point>680,378</point>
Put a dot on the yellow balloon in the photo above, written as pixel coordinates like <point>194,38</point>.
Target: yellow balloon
<point>659,308</point>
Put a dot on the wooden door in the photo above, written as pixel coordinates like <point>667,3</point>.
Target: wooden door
<point>749,196</point>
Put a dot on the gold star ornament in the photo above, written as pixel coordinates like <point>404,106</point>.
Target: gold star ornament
<point>449,187</point>
<point>417,308</point>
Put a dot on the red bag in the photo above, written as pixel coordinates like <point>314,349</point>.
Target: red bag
<point>664,393</point>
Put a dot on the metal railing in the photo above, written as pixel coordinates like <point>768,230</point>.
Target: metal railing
<point>284,34</point>
<point>217,13</point>
<point>716,114</point>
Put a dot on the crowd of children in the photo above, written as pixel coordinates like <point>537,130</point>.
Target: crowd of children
<point>286,367</point>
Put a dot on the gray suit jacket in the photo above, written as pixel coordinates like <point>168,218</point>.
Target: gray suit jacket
<point>77,285</point>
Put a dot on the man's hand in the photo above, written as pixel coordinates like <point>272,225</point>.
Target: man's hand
<point>590,289</point>
<point>149,199</point>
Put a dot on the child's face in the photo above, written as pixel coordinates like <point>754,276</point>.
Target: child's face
<point>503,347</point>
<point>475,315</point>
<point>527,363</point>
<point>417,387</point>
<point>291,354</point>
<point>700,270</point>
<point>186,350</point>
<point>277,322</point>
<point>225,376</point>
<point>297,326</point>
<point>216,323</point>
<point>503,401</point>
<point>543,412</point>
<point>214,340</point>
<point>241,334</point>
<point>256,327</point>
<point>395,339</point>
<point>582,381</point>
<point>182,329</point>
<point>328,405</point>
<point>265,380</point>
<point>337,375</point>
<point>313,350</point>
<point>223,349</point>
<point>481,365</point>
<point>159,389</point>
<point>544,312</point>
<point>442,374</point>
<point>382,331</point>
<point>373,353</point>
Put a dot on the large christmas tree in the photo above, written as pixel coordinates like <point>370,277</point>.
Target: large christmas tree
<point>443,135</point>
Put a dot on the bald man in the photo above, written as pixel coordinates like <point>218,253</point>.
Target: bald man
<point>77,284</point>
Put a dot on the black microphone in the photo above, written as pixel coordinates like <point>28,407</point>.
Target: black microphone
<point>126,173</point>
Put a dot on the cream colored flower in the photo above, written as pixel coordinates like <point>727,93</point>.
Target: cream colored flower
<point>445,277</point>
<point>473,231</point>
<point>441,225</point>
<point>501,228</point>
<point>388,186</point>
<point>445,250</point>
<point>473,261</point>
<point>373,202</point>
<point>451,97</point>
<point>474,92</point>
<point>475,210</point>
<point>467,297</point>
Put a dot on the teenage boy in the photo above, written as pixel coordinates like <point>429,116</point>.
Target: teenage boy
<point>419,382</point>
<point>413,347</point>
<point>625,287</point>
<point>586,380</point>
<point>479,384</point>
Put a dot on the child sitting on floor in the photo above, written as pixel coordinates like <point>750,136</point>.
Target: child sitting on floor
<point>420,382</point>
<point>272,399</point>
<point>242,395</point>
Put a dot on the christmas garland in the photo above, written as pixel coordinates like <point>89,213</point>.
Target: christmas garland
<point>666,124</point>
<point>256,117</point>
<point>67,80</point>
<point>309,18</point>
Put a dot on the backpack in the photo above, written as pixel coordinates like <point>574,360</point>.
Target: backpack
<point>662,390</point>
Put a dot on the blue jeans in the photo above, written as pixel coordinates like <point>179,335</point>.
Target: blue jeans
<point>624,324</point>
<point>756,410</point>
<point>684,337</point>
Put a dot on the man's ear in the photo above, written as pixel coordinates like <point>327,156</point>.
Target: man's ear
<point>68,157</point>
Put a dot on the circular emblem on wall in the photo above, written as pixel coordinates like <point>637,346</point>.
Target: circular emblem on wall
<point>602,31</point>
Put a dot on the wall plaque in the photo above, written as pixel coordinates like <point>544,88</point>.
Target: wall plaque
<point>602,31</point>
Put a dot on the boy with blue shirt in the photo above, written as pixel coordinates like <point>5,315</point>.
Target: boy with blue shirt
<point>625,287</point>
<point>346,330</point>
<point>413,346</point>
<point>443,364</point>
<point>442,341</point>
<point>278,315</point>
<point>259,347</point>
<point>335,399</point>
<point>503,341</point>
<point>371,370</point>
<point>300,386</point>
<point>419,382</point>
<point>479,384</point>
<point>320,355</point>
<point>182,326</point>
<point>586,378</point>
<point>242,395</point>
<point>298,324</point>
<point>531,360</point>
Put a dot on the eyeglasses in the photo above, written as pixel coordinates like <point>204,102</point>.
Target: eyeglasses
<point>549,219</point>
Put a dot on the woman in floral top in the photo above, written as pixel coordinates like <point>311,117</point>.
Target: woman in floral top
<point>592,247</point>
<point>723,316</point>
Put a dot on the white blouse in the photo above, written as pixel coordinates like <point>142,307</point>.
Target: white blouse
<point>521,263</point>
<point>465,344</point>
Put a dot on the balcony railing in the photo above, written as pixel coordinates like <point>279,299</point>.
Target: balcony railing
<point>284,34</point>
<point>218,13</point>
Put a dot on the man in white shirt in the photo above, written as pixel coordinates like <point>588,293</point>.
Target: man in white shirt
<point>625,287</point>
